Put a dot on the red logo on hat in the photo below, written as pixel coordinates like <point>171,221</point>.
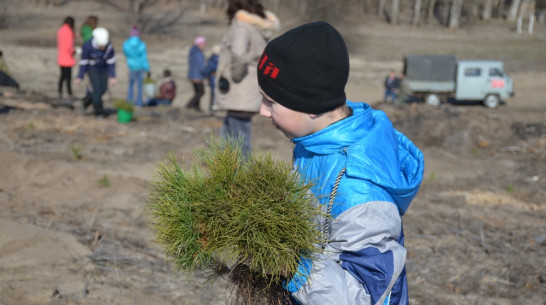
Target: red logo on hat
<point>270,69</point>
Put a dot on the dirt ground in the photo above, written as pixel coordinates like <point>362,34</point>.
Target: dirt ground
<point>73,223</point>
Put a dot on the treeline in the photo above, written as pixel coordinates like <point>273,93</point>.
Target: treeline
<point>446,13</point>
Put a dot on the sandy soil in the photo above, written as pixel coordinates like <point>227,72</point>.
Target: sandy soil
<point>74,227</point>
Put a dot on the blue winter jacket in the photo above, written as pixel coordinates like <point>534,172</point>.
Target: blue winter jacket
<point>381,171</point>
<point>197,69</point>
<point>94,58</point>
<point>135,53</point>
<point>212,64</point>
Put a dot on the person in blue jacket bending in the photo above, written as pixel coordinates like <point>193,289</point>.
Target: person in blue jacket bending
<point>365,173</point>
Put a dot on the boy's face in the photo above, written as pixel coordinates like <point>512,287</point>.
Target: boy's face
<point>292,123</point>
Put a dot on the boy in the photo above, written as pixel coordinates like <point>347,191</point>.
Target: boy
<point>365,172</point>
<point>167,91</point>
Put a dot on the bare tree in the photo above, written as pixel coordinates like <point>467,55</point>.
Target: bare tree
<point>430,11</point>
<point>138,15</point>
<point>395,10</point>
<point>513,12</point>
<point>455,13</point>
<point>487,8</point>
<point>381,8</point>
<point>500,8</point>
<point>475,10</point>
<point>445,12</point>
<point>416,12</point>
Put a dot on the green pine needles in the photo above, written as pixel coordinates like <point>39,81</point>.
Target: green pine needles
<point>250,217</point>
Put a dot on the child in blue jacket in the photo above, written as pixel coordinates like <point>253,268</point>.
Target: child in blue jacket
<point>365,173</point>
<point>137,62</point>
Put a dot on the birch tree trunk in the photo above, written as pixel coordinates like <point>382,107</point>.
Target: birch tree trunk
<point>487,7</point>
<point>430,13</point>
<point>513,13</point>
<point>381,8</point>
<point>416,12</point>
<point>395,10</point>
<point>455,13</point>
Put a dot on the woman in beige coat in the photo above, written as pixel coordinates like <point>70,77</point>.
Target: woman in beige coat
<point>251,27</point>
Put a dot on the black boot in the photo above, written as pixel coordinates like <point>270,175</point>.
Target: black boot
<point>86,101</point>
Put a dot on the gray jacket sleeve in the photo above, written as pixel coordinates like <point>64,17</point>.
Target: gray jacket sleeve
<point>328,283</point>
<point>373,225</point>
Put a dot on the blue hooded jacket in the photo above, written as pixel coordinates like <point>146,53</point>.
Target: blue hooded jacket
<point>135,52</point>
<point>381,171</point>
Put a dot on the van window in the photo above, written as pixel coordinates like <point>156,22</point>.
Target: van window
<point>472,71</point>
<point>495,72</point>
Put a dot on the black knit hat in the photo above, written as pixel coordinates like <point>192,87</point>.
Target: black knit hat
<point>306,68</point>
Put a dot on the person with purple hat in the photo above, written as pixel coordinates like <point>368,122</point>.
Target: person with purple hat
<point>197,72</point>
<point>137,62</point>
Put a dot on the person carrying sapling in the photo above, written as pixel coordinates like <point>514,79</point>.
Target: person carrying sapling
<point>365,173</point>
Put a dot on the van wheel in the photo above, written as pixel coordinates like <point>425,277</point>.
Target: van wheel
<point>432,100</point>
<point>491,101</point>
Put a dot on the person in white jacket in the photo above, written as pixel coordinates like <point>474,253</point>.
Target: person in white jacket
<point>251,27</point>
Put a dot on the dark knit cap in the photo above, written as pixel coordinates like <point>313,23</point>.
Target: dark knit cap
<point>306,68</point>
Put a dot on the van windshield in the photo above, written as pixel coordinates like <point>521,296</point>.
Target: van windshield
<point>496,72</point>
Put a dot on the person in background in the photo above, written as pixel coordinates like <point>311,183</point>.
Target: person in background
<point>403,90</point>
<point>167,91</point>
<point>391,85</point>
<point>148,87</point>
<point>5,77</point>
<point>251,26</point>
<point>137,62</point>
<point>197,72</point>
<point>364,172</point>
<point>99,62</point>
<point>212,65</point>
<point>86,31</point>
<point>65,55</point>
